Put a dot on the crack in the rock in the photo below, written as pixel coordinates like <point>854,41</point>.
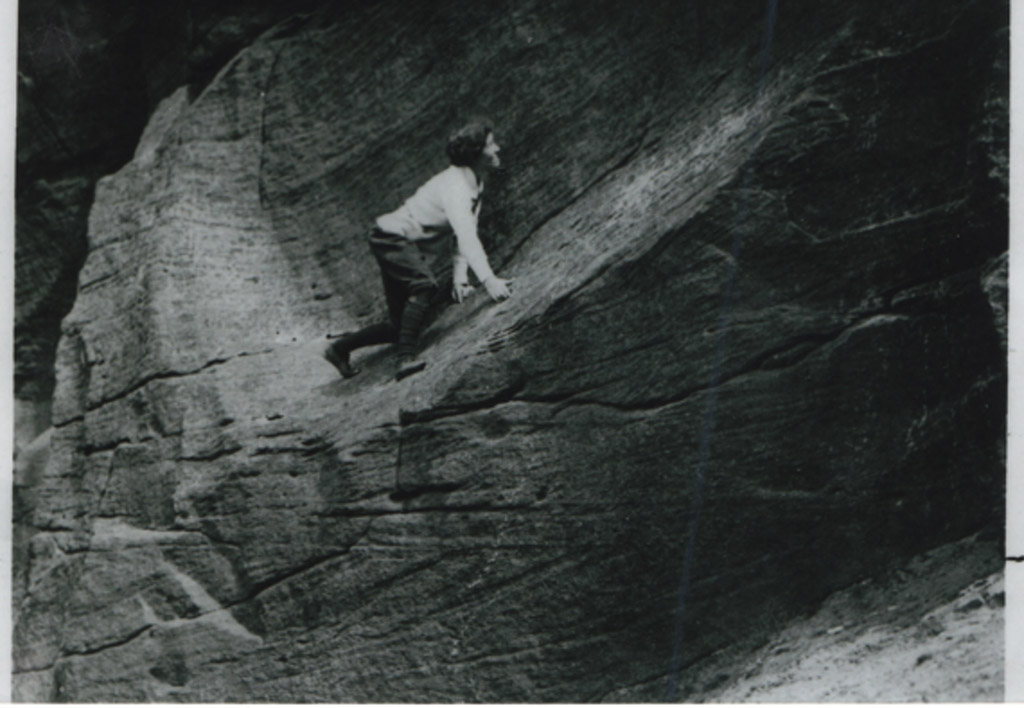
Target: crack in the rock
<point>310,451</point>
<point>159,376</point>
<point>210,456</point>
<point>562,208</point>
<point>490,591</point>
<point>261,352</point>
<point>85,287</point>
<point>792,351</point>
<point>281,434</point>
<point>894,53</point>
<point>179,527</point>
<point>600,698</point>
<point>971,272</point>
<point>259,588</point>
<point>87,450</point>
<point>80,418</point>
<point>941,209</point>
<point>801,347</point>
<point>410,493</point>
<point>506,395</point>
<point>636,348</point>
<point>110,645</point>
<point>106,485</point>
<point>373,591</point>
<point>477,507</point>
<point>481,507</point>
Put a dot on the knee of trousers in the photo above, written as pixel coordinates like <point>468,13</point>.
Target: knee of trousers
<point>423,296</point>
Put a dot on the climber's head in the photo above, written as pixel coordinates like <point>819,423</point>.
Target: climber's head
<point>474,146</point>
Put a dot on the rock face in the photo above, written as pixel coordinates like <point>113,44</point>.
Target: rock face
<point>753,356</point>
<point>901,635</point>
<point>89,74</point>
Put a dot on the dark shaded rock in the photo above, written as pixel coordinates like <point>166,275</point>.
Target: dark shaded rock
<point>749,360</point>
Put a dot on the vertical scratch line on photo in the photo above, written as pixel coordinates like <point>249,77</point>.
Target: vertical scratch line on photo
<point>711,401</point>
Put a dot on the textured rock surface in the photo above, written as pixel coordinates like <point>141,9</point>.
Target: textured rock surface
<point>89,74</point>
<point>757,306</point>
<point>908,635</point>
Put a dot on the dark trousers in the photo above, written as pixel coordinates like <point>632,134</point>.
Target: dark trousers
<point>412,273</point>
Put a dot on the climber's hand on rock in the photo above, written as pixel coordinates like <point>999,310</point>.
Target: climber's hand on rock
<point>497,288</point>
<point>460,291</point>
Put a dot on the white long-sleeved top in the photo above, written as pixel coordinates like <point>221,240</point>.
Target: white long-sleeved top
<point>448,201</point>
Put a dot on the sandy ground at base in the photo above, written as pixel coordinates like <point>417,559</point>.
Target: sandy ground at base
<point>930,632</point>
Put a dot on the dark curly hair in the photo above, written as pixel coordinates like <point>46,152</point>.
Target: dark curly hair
<point>467,143</point>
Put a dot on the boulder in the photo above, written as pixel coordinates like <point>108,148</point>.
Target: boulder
<point>753,354</point>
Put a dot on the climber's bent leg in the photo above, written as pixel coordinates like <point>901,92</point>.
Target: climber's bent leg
<point>338,351</point>
<point>413,316</point>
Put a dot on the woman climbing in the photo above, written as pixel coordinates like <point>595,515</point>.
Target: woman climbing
<point>414,244</point>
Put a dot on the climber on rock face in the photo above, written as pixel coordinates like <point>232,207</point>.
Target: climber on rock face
<point>414,244</point>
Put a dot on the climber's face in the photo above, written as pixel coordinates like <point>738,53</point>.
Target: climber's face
<point>490,154</point>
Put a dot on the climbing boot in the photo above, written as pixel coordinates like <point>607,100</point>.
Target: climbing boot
<point>339,351</point>
<point>407,366</point>
<point>339,359</point>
